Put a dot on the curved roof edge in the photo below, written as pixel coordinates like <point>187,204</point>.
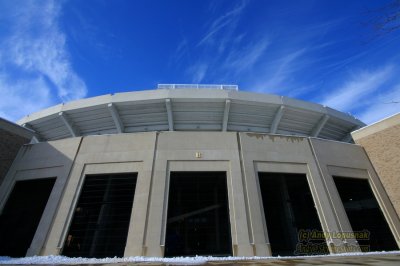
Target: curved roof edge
<point>190,110</point>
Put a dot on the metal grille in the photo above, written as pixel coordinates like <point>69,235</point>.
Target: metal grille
<point>198,86</point>
<point>100,224</point>
<point>288,210</point>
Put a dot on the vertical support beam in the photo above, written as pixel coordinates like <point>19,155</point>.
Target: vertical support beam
<point>72,130</point>
<point>277,119</point>
<point>168,105</point>
<point>226,115</point>
<point>34,140</point>
<point>117,119</point>
<point>317,129</point>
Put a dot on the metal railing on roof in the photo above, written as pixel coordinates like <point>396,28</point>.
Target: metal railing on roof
<point>198,86</point>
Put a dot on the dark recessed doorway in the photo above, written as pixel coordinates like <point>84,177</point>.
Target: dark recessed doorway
<point>21,215</point>
<point>198,215</point>
<point>289,212</point>
<point>100,224</point>
<point>364,213</point>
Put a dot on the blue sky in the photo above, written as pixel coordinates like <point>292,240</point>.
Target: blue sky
<point>321,51</point>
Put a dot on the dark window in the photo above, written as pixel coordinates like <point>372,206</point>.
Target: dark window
<point>364,213</point>
<point>198,216</point>
<point>100,224</point>
<point>22,214</point>
<point>289,210</point>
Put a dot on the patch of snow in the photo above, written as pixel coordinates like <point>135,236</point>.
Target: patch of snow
<point>176,260</point>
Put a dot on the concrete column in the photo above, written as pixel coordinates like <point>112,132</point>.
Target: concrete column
<point>240,222</point>
<point>135,243</point>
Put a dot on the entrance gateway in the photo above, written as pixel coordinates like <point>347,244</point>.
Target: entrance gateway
<point>100,223</point>
<point>364,214</point>
<point>289,210</point>
<point>198,215</point>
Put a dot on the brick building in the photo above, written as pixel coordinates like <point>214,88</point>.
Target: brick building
<point>381,141</point>
<point>12,137</point>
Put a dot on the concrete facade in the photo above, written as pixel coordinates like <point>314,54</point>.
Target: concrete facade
<point>382,144</point>
<point>154,155</point>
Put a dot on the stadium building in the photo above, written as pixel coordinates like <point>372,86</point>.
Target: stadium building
<point>187,170</point>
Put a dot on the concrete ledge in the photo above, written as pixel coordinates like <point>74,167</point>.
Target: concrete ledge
<point>376,127</point>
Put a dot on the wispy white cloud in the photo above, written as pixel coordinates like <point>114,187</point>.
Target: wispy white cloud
<point>181,53</point>
<point>356,90</point>
<point>244,59</point>
<point>216,47</point>
<point>198,72</point>
<point>23,96</point>
<point>35,67</point>
<point>277,74</point>
<point>301,61</point>
<point>226,21</point>
<point>86,31</point>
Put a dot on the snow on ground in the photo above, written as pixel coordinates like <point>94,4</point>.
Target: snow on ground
<point>177,260</point>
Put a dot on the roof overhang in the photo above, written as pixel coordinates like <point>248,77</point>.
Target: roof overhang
<point>191,110</point>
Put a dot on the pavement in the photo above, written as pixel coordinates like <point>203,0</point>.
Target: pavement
<point>381,259</point>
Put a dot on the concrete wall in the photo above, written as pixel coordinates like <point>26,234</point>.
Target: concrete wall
<point>381,141</point>
<point>108,154</point>
<point>154,155</point>
<point>42,160</point>
<point>346,160</point>
<point>284,154</point>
